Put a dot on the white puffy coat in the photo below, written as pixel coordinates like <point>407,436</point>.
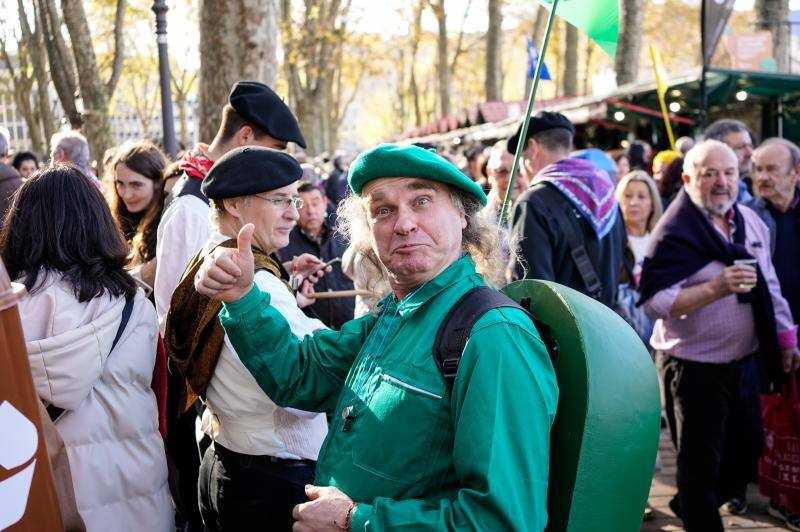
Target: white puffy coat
<point>110,427</point>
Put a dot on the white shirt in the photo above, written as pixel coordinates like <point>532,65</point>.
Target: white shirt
<point>239,415</point>
<point>183,230</point>
<point>639,248</point>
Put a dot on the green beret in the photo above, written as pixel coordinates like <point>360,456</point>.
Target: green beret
<point>391,160</point>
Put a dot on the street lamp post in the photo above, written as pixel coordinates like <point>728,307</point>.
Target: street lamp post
<point>167,118</point>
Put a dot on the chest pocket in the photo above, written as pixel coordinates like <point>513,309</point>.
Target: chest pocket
<point>397,427</point>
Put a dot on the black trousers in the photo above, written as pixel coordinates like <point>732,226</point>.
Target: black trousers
<point>714,415</point>
<point>239,492</point>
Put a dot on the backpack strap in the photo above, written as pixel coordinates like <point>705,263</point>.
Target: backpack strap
<point>54,411</point>
<point>457,325</point>
<point>567,219</point>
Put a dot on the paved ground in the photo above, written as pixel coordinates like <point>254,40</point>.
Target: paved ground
<point>663,488</point>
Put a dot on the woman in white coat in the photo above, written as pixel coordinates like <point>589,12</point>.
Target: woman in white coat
<point>60,240</point>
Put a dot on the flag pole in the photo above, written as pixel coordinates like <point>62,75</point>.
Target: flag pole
<point>524,132</point>
<point>661,99</point>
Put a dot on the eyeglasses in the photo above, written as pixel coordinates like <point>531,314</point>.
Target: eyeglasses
<point>284,203</point>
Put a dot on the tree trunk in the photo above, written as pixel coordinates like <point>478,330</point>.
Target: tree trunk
<point>493,84</point>
<point>34,39</point>
<point>238,41</point>
<point>62,68</point>
<point>442,63</point>
<point>570,76</point>
<point>630,41</point>
<point>93,90</point>
<point>773,15</point>
<point>587,76</point>
<point>412,82</point>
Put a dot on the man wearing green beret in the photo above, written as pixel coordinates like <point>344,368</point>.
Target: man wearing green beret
<point>407,449</point>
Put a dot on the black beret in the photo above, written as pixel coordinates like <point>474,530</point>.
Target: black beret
<point>259,105</point>
<point>541,121</point>
<point>250,170</point>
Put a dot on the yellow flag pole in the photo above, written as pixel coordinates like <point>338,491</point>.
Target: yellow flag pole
<point>661,91</point>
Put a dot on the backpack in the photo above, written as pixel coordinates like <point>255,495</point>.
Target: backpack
<point>453,333</point>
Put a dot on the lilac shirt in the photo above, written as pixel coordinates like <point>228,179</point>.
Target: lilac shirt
<point>724,330</point>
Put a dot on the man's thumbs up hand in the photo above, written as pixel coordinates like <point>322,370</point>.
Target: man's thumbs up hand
<point>244,242</point>
<point>227,273</point>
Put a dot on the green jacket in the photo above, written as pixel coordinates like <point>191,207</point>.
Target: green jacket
<point>414,453</point>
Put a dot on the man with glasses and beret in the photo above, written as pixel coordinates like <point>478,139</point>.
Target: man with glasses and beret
<point>254,116</point>
<point>262,456</point>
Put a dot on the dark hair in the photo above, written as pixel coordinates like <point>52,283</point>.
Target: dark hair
<point>307,186</point>
<point>233,122</point>
<point>636,156</point>
<point>60,222</point>
<point>139,229</point>
<point>556,139</point>
<point>23,156</point>
<point>720,129</point>
<point>671,180</point>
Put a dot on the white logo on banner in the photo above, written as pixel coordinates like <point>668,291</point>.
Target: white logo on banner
<point>17,446</point>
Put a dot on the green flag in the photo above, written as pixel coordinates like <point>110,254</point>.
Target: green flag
<point>598,18</point>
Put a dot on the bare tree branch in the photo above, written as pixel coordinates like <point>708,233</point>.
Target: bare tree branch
<point>459,50</point>
<point>119,55</point>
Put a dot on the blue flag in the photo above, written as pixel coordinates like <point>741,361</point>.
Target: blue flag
<point>533,59</point>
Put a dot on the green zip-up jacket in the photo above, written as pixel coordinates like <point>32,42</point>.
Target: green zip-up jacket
<point>415,453</point>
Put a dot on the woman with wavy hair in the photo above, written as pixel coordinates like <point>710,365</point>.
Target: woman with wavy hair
<point>91,340</point>
<point>137,202</point>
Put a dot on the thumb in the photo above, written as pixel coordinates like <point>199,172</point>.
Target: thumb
<point>244,241</point>
<point>313,492</point>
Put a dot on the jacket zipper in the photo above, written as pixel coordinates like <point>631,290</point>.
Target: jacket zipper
<point>409,386</point>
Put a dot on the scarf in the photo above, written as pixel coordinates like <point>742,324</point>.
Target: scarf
<point>682,243</point>
<point>194,336</point>
<point>588,189</point>
<point>195,162</point>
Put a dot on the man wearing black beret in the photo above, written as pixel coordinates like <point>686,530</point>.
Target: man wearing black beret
<point>262,455</point>
<point>566,226</point>
<point>254,116</point>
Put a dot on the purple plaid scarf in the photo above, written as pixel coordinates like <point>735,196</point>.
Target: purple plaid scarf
<point>590,190</point>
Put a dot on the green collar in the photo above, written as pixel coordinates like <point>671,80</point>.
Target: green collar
<point>458,270</point>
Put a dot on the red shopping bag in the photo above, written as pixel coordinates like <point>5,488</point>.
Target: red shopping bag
<point>779,465</point>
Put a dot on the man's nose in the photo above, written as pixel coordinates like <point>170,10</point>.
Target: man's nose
<point>292,213</point>
<point>406,221</point>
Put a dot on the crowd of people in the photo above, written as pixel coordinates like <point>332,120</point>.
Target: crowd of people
<point>246,334</point>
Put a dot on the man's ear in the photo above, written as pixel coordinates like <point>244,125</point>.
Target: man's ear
<point>244,136</point>
<point>686,178</point>
<point>231,206</point>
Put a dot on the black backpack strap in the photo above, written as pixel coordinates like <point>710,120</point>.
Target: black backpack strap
<point>457,325</point>
<point>54,411</point>
<point>567,219</point>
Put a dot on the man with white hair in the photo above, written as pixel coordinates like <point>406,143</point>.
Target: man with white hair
<point>722,327</point>
<point>72,147</point>
<point>10,180</point>
<point>411,446</point>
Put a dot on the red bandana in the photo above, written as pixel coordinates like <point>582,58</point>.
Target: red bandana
<point>195,162</point>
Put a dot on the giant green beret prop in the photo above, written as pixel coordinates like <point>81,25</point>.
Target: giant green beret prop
<point>390,160</point>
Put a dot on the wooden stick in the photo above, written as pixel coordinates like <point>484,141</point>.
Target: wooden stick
<point>343,293</point>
